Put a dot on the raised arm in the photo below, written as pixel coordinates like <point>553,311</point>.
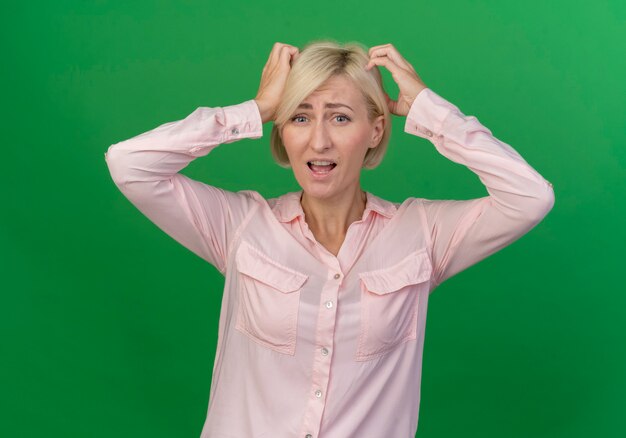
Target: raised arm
<point>201,217</point>
<point>146,169</point>
<point>465,232</point>
<point>462,233</point>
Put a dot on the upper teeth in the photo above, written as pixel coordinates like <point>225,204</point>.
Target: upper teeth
<point>321,163</point>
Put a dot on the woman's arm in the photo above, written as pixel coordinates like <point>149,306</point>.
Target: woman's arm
<point>201,217</point>
<point>465,232</point>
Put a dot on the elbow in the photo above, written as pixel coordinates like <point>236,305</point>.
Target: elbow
<point>116,159</point>
<point>544,202</point>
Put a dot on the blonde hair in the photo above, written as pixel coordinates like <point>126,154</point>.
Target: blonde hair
<point>318,61</point>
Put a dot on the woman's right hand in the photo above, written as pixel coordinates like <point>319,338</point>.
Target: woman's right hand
<point>273,79</point>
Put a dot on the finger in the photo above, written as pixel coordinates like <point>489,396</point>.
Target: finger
<point>284,61</point>
<point>391,104</point>
<point>382,46</point>
<point>392,53</point>
<point>399,73</point>
<point>369,52</point>
<point>279,58</point>
<point>287,52</point>
<point>294,56</point>
<point>275,54</point>
<point>293,52</point>
<point>395,70</point>
<point>373,51</point>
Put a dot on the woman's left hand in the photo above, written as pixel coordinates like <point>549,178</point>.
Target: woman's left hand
<point>403,73</point>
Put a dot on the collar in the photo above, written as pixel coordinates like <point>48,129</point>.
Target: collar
<point>288,207</point>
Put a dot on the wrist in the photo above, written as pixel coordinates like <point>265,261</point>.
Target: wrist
<point>265,112</point>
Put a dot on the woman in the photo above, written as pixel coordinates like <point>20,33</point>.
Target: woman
<point>324,307</point>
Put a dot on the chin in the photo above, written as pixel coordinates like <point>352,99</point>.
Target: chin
<point>320,192</point>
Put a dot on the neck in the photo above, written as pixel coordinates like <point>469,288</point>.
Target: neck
<point>330,217</point>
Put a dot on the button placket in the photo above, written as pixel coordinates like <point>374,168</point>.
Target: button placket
<point>325,329</point>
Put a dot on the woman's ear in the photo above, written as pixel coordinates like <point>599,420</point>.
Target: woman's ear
<point>378,130</point>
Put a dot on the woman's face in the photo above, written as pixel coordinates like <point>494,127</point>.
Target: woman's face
<point>331,124</point>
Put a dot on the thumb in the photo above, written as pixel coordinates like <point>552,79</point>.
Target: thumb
<point>392,104</point>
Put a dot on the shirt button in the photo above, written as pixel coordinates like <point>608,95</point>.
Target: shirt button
<point>337,276</point>
<point>308,435</point>
<point>329,304</point>
<point>234,131</point>
<point>324,351</point>
<point>428,132</point>
<point>318,393</point>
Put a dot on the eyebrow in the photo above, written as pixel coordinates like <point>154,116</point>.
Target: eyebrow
<point>328,105</point>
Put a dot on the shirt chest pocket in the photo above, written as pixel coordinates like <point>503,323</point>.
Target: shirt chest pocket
<point>390,304</point>
<point>269,299</point>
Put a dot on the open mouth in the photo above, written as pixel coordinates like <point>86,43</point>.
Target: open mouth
<point>321,169</point>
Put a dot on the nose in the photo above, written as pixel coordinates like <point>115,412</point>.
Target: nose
<point>320,137</point>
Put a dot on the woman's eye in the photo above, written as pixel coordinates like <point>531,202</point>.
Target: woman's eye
<point>341,116</point>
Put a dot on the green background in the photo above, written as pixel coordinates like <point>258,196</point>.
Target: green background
<point>109,327</point>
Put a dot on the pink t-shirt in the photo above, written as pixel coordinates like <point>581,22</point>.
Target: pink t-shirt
<point>311,345</point>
